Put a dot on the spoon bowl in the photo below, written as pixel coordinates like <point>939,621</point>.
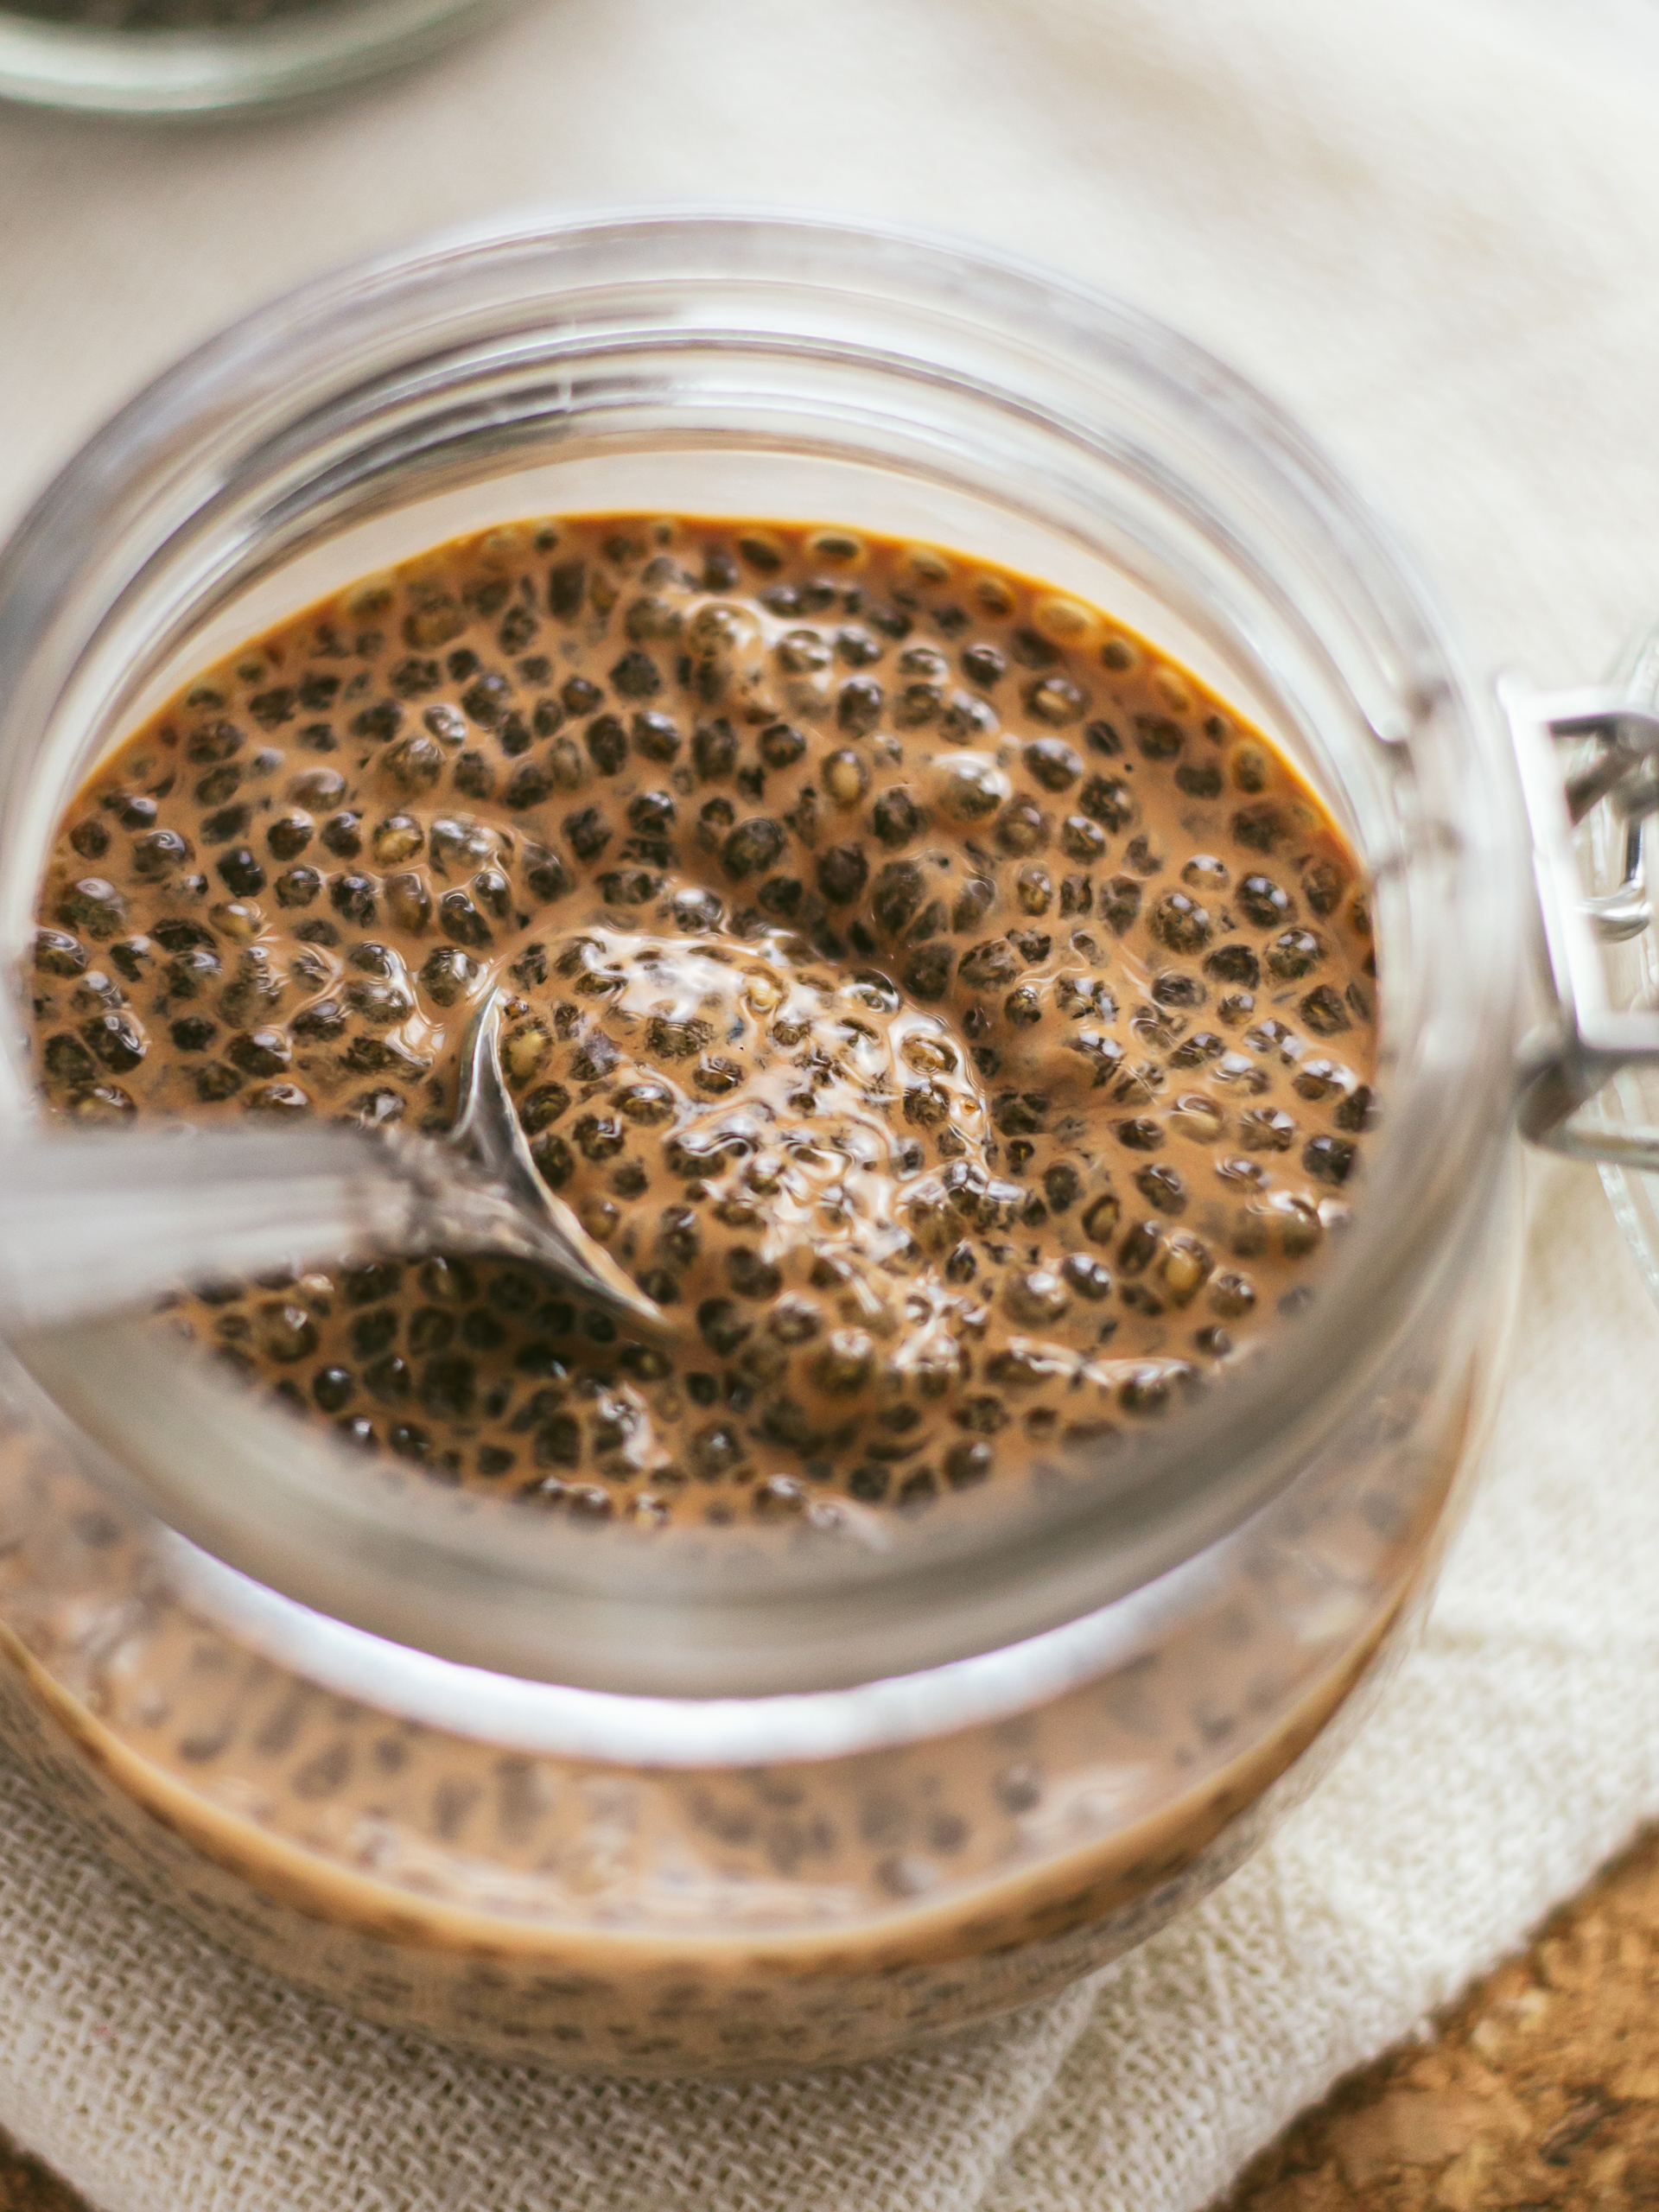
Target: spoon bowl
<point>97,1224</point>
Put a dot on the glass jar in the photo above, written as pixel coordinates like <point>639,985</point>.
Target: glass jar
<point>686,1809</point>
<point>186,58</point>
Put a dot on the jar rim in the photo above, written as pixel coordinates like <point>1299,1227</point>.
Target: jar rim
<point>258,388</point>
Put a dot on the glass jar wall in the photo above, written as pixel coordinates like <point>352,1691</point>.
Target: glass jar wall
<point>691,1811</point>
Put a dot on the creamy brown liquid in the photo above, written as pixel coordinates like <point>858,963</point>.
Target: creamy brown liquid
<point>659,1921</point>
<point>944,1008</point>
<point>953,1014</point>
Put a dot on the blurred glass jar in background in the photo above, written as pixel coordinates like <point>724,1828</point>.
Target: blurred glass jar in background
<point>678,1808</point>
<point>197,58</point>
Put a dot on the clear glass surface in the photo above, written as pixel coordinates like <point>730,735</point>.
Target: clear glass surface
<point>725,367</point>
<point>887,1789</point>
<point>197,68</point>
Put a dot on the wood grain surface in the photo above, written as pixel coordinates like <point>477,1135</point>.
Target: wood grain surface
<point>1539,2093</point>
<point>26,2186</point>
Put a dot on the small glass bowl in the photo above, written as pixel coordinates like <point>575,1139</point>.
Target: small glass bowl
<point>183,59</point>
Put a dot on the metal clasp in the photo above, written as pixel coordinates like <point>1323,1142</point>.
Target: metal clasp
<point>1589,1040</point>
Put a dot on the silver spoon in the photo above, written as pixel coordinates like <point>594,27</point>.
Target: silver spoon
<point>95,1224</point>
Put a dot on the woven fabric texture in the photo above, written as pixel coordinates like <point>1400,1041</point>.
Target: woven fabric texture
<point>1519,1748</point>
<point>1433,228</point>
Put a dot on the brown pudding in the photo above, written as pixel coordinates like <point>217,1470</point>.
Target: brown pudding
<point>946,1010</point>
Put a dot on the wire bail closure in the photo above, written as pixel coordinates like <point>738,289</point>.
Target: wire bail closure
<point>1570,1058</point>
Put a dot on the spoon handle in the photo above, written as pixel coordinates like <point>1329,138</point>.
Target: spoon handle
<point>93,1224</point>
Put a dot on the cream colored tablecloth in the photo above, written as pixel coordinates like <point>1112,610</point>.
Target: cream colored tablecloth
<point>1433,229</point>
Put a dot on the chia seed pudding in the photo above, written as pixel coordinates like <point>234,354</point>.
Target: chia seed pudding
<point>956,1018</point>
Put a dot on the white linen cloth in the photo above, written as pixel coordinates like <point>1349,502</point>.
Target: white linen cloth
<point>1432,226</point>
